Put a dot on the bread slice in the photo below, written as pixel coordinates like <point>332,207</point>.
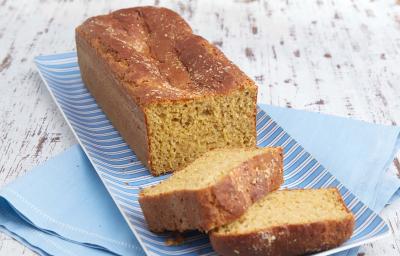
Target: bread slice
<point>215,189</point>
<point>287,222</point>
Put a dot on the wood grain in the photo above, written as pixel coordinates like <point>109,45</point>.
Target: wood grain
<point>338,57</point>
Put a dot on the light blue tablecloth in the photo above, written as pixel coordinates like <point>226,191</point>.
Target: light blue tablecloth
<point>61,207</point>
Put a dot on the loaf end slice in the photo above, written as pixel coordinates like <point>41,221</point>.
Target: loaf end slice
<point>287,222</point>
<point>213,190</point>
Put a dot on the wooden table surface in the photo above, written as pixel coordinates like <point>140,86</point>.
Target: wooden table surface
<point>339,57</point>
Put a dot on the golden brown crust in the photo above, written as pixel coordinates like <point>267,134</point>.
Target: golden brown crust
<point>104,87</point>
<point>156,57</point>
<point>218,204</point>
<point>287,240</point>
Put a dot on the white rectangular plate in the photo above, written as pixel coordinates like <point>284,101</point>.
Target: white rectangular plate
<point>123,175</point>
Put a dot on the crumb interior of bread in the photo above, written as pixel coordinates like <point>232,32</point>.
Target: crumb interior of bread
<point>205,171</point>
<point>182,131</point>
<point>287,207</point>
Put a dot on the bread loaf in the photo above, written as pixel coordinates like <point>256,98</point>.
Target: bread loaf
<point>285,223</point>
<point>171,94</point>
<point>213,190</point>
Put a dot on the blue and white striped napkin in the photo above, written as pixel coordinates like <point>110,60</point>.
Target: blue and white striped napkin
<point>62,208</point>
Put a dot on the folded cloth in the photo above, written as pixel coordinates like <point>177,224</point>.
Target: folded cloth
<point>61,207</point>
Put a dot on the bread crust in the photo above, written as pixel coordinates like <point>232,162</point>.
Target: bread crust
<point>286,240</point>
<point>157,58</point>
<point>218,204</point>
<point>105,88</point>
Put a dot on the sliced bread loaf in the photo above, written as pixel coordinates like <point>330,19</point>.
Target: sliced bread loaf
<point>287,222</point>
<point>171,94</point>
<point>213,190</point>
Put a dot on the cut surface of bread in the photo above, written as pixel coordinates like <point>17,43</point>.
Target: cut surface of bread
<point>170,93</point>
<point>213,190</point>
<point>181,132</point>
<point>287,222</point>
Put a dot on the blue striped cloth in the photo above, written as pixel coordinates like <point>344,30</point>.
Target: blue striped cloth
<point>62,208</point>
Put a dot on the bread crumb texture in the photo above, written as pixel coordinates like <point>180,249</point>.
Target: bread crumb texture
<point>205,171</point>
<point>289,207</point>
<point>182,132</point>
